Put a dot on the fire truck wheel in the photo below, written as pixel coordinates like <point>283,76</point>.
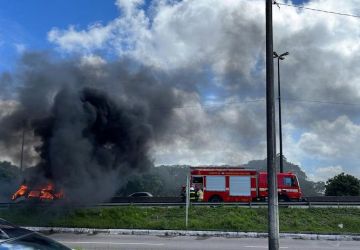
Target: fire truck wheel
<point>283,198</point>
<point>215,198</point>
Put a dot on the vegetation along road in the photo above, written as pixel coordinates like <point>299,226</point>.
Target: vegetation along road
<point>318,220</point>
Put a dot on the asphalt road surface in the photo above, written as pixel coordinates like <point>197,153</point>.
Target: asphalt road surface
<point>132,242</point>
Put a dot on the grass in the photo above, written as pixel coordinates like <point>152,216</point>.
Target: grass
<point>312,220</point>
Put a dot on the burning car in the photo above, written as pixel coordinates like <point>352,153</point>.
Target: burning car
<point>42,192</point>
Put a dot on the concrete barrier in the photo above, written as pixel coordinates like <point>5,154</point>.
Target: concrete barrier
<point>300,236</point>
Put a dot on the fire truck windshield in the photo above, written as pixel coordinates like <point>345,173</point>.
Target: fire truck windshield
<point>290,181</point>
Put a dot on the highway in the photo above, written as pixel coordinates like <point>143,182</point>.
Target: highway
<point>132,242</point>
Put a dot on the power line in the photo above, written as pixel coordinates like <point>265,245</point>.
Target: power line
<point>318,10</point>
<point>219,104</point>
<point>224,104</point>
<point>322,102</point>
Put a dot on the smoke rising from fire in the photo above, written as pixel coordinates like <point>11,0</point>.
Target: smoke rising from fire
<point>90,125</point>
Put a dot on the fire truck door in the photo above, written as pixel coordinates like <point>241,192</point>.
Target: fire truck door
<point>240,186</point>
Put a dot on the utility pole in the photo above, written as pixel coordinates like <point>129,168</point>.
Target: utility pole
<point>273,210</point>
<point>280,57</point>
<point>22,150</point>
<point>187,201</point>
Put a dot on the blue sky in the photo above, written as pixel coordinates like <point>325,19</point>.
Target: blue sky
<point>300,1</point>
<point>28,22</point>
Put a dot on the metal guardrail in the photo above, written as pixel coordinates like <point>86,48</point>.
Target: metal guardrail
<point>179,199</point>
<point>333,198</point>
<point>235,204</point>
<point>321,201</point>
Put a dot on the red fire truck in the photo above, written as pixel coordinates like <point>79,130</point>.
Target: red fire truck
<point>238,184</point>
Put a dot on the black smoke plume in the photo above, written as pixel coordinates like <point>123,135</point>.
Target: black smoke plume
<point>88,125</point>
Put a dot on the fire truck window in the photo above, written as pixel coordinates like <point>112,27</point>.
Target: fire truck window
<point>197,180</point>
<point>215,183</point>
<point>287,181</point>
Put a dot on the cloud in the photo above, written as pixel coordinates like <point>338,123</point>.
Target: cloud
<point>128,6</point>
<point>181,34</point>
<point>325,173</point>
<point>216,48</point>
<point>92,60</point>
<point>9,153</point>
<point>20,47</point>
<point>210,134</point>
<point>229,37</point>
<point>332,139</point>
<point>7,106</point>
<point>325,143</point>
<point>72,40</point>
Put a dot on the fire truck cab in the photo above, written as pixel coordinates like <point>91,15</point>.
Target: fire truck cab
<point>288,186</point>
<point>225,184</point>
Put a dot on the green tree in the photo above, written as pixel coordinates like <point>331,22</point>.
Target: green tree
<point>10,178</point>
<point>342,185</point>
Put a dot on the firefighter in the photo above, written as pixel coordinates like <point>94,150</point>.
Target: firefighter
<point>183,193</point>
<point>192,194</point>
<point>200,195</point>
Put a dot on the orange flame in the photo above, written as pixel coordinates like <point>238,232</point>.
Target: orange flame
<point>34,194</point>
<point>46,192</point>
<point>22,191</point>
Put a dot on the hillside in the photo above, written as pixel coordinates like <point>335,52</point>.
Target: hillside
<point>309,188</point>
